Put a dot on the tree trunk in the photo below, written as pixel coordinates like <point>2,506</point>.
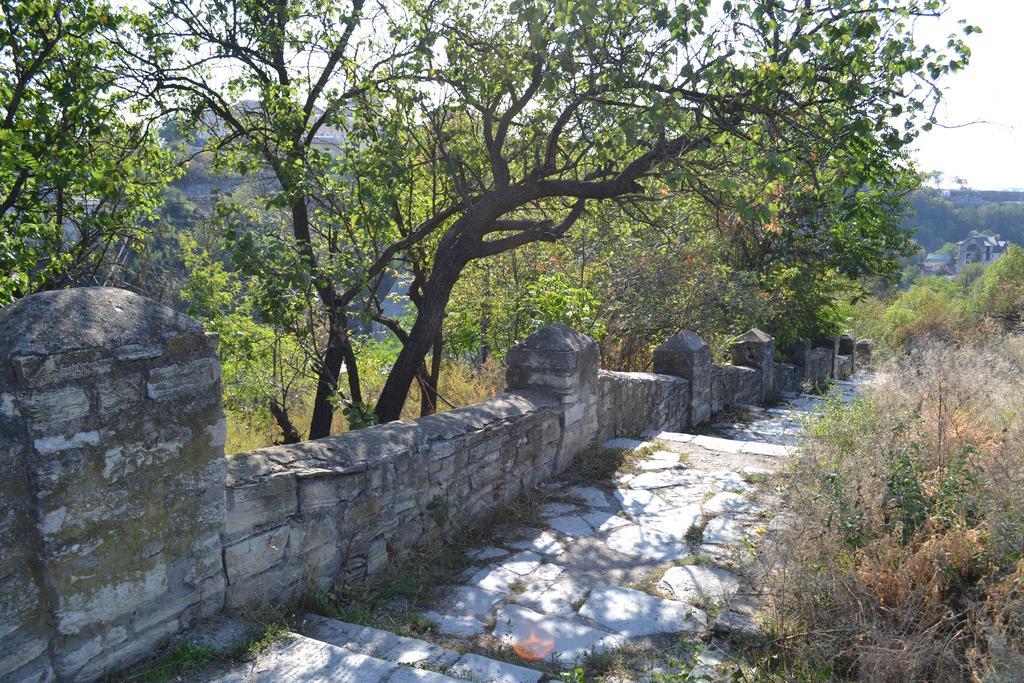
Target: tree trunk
<point>429,384</point>
<point>355,391</point>
<point>453,253</point>
<point>485,318</point>
<point>326,387</point>
<point>289,434</point>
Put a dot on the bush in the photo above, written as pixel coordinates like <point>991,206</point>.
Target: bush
<point>904,562</point>
<point>931,309</point>
<point>999,292</point>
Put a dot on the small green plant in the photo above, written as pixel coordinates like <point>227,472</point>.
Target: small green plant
<point>440,510</point>
<point>185,658</point>
<point>575,675</point>
<point>259,639</point>
<point>358,415</point>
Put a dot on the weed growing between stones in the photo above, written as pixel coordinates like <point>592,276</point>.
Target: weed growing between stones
<point>663,660</point>
<point>649,584</point>
<point>183,659</point>
<point>596,465</point>
<point>259,639</point>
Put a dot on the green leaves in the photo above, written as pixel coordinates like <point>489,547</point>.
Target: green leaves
<point>76,178</point>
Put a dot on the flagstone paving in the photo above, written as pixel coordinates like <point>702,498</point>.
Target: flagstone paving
<point>658,551</point>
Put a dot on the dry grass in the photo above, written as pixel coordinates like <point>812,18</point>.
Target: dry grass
<point>904,563</point>
<point>461,384</point>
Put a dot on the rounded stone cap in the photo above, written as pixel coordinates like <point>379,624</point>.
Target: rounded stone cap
<point>557,337</point>
<point>684,341</point>
<point>89,317</point>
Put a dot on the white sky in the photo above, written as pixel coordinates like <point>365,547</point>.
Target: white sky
<point>988,155</point>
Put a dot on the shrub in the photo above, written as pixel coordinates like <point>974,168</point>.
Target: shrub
<point>904,559</point>
<point>999,292</point>
<point>931,309</point>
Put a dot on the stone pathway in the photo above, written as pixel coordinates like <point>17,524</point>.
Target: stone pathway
<point>654,555</point>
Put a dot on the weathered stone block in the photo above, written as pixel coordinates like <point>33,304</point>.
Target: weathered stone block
<point>47,370</point>
<point>326,490</point>
<point>255,554</point>
<point>788,378</point>
<point>555,359</point>
<point>756,349</point>
<point>183,381</point>
<point>101,600</point>
<point>862,352</point>
<point>819,368</point>
<point>49,445</point>
<point>120,393</point>
<point>48,409</point>
<point>270,501</point>
<point>844,367</point>
<point>847,345</point>
<point>831,344</point>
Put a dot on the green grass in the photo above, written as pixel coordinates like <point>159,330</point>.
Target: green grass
<point>259,639</point>
<point>183,659</point>
<point>597,464</point>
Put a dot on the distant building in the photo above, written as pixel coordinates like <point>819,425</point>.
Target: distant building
<point>967,196</point>
<point>938,264</point>
<point>980,249</point>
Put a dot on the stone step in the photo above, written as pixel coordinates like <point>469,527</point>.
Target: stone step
<point>404,653</point>
<point>327,650</point>
<point>376,643</point>
<point>298,658</point>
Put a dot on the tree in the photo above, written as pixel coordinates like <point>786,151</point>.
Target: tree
<point>572,104</point>
<point>76,177</point>
<point>262,367</point>
<point>314,128</point>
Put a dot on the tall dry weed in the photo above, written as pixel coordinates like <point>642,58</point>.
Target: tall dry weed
<point>904,559</point>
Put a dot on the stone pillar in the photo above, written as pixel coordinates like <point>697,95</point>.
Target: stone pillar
<point>831,344</point>
<point>846,345</point>
<point>113,445</point>
<point>863,350</point>
<point>756,349</point>
<point>685,354</point>
<point>845,361</point>
<point>563,362</point>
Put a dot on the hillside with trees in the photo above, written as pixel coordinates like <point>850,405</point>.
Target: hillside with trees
<point>936,220</point>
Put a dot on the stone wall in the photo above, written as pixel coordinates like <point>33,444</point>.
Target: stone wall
<point>788,379</point>
<point>123,521</point>
<point>733,386</point>
<point>302,515</point>
<point>819,368</point>
<point>111,439</point>
<point>631,402</point>
<point>299,516</point>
